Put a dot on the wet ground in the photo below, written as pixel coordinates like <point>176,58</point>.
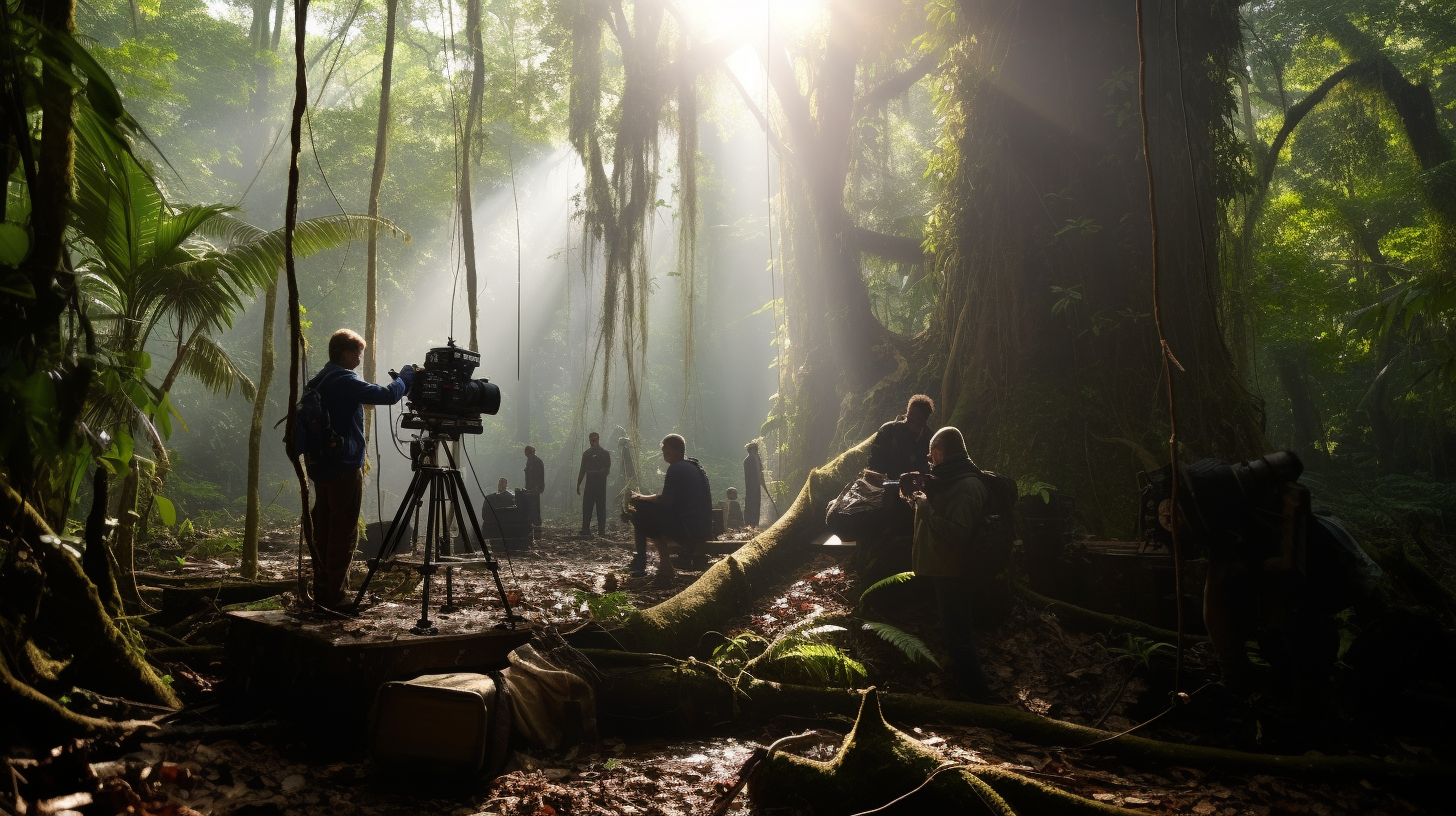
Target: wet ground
<point>565,581</point>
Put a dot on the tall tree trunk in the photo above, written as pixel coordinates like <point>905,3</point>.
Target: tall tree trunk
<point>836,344</point>
<point>255,436</point>
<point>1044,313</point>
<point>523,402</point>
<point>467,208</point>
<point>376,182</point>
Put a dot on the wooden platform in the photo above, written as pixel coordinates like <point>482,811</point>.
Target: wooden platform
<point>326,672</point>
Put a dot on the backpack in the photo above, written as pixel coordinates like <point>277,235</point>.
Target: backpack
<point>707,486</point>
<point>998,509</point>
<point>315,436</point>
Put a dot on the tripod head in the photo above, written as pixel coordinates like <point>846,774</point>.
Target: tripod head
<point>425,451</point>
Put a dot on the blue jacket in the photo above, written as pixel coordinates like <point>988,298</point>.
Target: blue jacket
<point>344,396</point>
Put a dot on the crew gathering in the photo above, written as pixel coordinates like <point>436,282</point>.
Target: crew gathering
<point>1277,569</point>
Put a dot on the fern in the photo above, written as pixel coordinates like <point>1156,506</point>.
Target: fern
<point>897,578</point>
<point>913,647</point>
<point>821,664</point>
<point>802,632</point>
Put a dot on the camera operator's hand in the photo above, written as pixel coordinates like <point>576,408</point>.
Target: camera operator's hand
<point>407,374</point>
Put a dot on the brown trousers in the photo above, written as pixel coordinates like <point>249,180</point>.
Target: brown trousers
<point>335,532</point>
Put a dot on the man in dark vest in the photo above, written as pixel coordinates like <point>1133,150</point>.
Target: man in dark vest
<point>596,463</point>
<point>900,446</point>
<point>682,512</point>
<point>535,486</point>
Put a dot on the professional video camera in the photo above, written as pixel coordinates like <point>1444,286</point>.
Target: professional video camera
<point>444,400</point>
<point>1220,500</point>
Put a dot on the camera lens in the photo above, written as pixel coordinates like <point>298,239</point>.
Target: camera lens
<point>481,396</point>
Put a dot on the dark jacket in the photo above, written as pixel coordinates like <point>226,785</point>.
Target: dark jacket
<point>686,492</point>
<point>596,463</point>
<point>535,474</point>
<point>898,449</point>
<point>752,471</point>
<point>947,521</point>
<point>344,395</point>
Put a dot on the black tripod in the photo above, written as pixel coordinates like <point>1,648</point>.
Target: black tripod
<point>437,486</point>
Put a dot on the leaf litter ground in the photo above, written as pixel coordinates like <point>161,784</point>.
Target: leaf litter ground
<point>1032,661</point>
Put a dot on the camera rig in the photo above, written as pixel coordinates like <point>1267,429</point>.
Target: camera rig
<point>443,400</point>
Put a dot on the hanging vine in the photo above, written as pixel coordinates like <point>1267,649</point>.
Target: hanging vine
<point>618,202</point>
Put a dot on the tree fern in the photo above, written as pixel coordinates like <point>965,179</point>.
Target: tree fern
<point>913,647</point>
<point>897,578</point>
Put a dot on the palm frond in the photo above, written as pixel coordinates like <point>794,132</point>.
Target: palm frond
<point>215,368</point>
<point>897,578</point>
<point>913,647</point>
<point>227,229</point>
<point>176,229</point>
<point>259,258</point>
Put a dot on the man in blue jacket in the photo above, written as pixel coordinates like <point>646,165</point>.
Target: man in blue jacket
<point>338,482</point>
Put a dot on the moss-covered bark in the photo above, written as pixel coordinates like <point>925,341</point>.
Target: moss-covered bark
<point>685,695</point>
<point>725,590</point>
<point>879,764</point>
<point>55,633</point>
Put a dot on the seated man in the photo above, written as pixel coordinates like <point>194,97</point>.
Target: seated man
<point>501,498</point>
<point>732,513</point>
<point>682,512</point>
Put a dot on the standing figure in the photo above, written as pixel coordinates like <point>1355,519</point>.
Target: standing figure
<point>596,463</point>
<point>900,446</point>
<point>338,474</point>
<point>681,513</point>
<point>535,486</point>
<point>752,484</point>
<point>949,531</point>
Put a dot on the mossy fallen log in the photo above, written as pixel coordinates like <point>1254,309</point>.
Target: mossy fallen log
<point>687,694</point>
<point>879,767</point>
<point>724,591</point>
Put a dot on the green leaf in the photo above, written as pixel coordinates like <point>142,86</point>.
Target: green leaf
<point>897,578</point>
<point>14,244</point>
<point>166,510</point>
<point>913,647</point>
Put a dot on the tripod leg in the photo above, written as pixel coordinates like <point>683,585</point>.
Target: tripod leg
<point>490,563</point>
<point>424,626</point>
<point>453,509</point>
<point>392,538</point>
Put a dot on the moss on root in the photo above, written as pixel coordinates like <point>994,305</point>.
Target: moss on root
<point>687,694</point>
<point>878,765</point>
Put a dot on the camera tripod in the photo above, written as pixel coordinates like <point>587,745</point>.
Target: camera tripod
<point>433,486</point>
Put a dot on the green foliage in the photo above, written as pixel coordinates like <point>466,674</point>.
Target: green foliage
<point>913,647</point>
<point>818,664</point>
<point>897,578</point>
<point>609,607</point>
<point>737,650</point>
<point>1140,649</point>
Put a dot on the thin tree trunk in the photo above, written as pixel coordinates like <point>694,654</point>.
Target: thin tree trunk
<point>467,210</point>
<point>381,153</point>
<point>295,325</point>
<point>255,437</point>
<point>1309,433</point>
